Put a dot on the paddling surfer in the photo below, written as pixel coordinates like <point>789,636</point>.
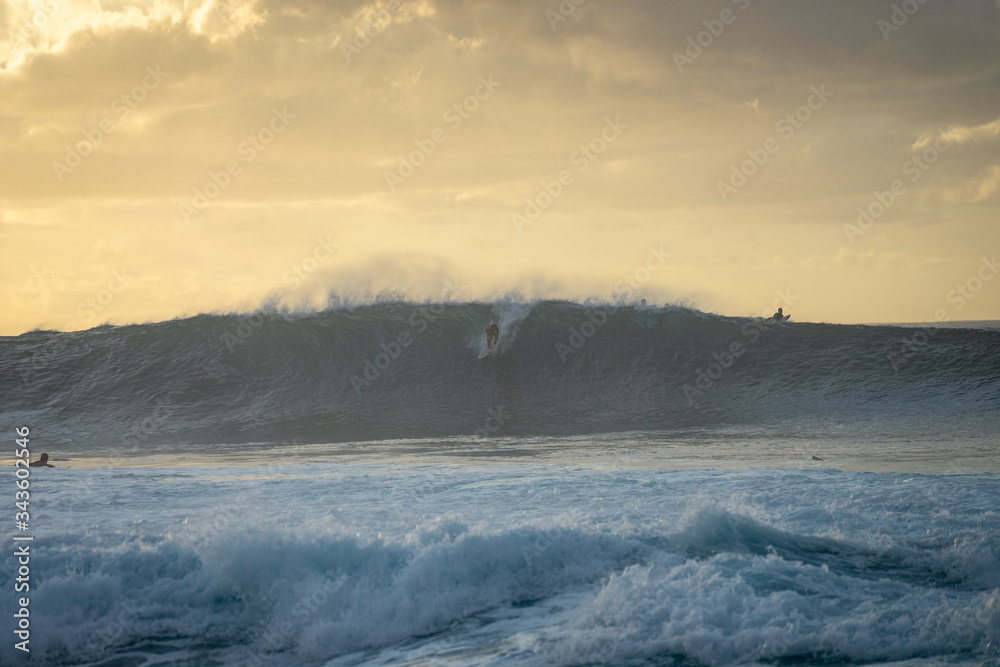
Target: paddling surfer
<point>42,462</point>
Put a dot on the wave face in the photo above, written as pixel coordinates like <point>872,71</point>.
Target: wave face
<point>407,370</point>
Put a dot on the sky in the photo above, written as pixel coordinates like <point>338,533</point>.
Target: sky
<point>160,159</point>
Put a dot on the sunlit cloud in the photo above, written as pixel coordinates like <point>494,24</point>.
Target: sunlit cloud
<point>961,135</point>
<point>99,163</point>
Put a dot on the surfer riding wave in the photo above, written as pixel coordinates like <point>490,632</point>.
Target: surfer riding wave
<point>492,335</point>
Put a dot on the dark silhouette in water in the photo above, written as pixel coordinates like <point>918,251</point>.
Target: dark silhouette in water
<point>43,461</point>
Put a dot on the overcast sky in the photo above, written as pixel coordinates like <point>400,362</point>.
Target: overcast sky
<point>161,159</point>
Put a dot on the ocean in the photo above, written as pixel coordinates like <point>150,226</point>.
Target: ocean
<point>614,485</point>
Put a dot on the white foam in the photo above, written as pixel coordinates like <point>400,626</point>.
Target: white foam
<point>745,609</point>
<point>543,564</point>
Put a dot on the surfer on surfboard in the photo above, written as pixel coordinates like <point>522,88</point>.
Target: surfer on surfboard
<point>779,316</point>
<point>42,462</point>
<point>492,335</point>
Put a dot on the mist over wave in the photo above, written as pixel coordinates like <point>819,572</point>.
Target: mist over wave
<point>395,370</point>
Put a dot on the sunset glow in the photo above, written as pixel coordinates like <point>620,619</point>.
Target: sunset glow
<point>164,159</point>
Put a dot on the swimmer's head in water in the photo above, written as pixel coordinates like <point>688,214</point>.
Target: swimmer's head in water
<point>43,458</point>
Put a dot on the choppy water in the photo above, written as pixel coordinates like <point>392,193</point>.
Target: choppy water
<point>317,562</point>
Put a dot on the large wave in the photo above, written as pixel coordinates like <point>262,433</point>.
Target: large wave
<point>413,370</point>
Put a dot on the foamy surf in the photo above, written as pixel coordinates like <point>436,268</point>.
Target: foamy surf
<point>534,565</point>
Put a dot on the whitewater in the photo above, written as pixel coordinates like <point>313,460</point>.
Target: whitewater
<point>620,485</point>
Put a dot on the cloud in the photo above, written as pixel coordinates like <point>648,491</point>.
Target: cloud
<point>51,27</point>
<point>960,134</point>
<point>989,186</point>
<point>753,104</point>
<point>983,187</point>
<point>232,62</point>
